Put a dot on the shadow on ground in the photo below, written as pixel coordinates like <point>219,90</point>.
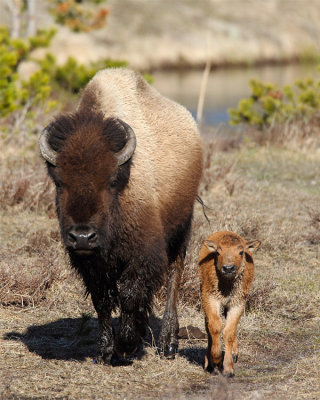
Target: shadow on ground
<point>76,339</point>
<point>195,355</point>
<point>64,339</point>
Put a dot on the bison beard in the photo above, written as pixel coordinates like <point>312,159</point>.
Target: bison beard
<point>131,286</point>
<point>116,284</point>
<point>124,227</point>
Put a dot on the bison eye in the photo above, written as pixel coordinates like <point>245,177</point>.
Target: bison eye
<point>113,183</point>
<point>58,183</point>
<point>113,180</point>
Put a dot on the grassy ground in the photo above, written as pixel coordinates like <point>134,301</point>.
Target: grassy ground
<point>48,329</point>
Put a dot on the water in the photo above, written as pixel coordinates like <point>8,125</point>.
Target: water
<point>225,86</point>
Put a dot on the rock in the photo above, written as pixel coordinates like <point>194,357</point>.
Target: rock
<point>191,332</point>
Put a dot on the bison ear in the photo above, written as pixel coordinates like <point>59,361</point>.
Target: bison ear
<point>253,245</point>
<point>53,137</point>
<point>129,143</point>
<point>212,247</point>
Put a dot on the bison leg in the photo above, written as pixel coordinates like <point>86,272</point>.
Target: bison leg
<point>176,251</point>
<point>106,337</point>
<point>106,340</point>
<point>213,359</point>
<point>170,324</point>
<point>135,299</point>
<point>137,285</point>
<point>132,329</point>
<point>230,340</point>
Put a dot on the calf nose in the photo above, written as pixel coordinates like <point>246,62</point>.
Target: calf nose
<point>229,269</point>
<point>82,239</point>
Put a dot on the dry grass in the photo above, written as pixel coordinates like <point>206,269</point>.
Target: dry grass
<point>48,328</point>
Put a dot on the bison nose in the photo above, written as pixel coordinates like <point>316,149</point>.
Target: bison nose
<point>82,239</point>
<point>228,269</point>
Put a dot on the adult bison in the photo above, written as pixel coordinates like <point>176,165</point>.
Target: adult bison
<point>126,165</point>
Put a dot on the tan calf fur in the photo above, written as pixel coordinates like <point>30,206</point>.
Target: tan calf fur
<point>226,274</point>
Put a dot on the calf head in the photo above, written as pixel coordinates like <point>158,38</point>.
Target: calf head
<point>230,253</point>
<point>88,158</point>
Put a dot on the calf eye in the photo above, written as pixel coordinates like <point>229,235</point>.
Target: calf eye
<point>241,253</point>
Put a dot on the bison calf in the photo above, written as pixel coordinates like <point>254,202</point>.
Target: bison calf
<point>226,273</point>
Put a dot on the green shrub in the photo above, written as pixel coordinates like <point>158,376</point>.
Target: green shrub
<point>15,94</point>
<point>79,16</point>
<point>269,104</point>
<point>73,76</point>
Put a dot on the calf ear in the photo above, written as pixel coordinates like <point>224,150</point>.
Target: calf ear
<point>253,245</point>
<point>212,247</point>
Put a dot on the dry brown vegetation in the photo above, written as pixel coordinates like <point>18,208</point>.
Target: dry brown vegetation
<point>48,328</point>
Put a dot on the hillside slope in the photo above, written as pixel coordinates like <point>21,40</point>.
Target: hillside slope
<point>154,34</point>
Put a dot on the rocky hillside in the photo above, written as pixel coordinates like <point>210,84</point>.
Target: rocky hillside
<point>155,34</point>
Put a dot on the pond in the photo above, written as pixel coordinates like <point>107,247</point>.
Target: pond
<point>225,86</point>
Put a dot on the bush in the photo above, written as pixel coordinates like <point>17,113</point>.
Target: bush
<point>269,104</point>
<point>79,17</point>
<point>14,94</point>
<point>24,96</point>
<point>73,76</point>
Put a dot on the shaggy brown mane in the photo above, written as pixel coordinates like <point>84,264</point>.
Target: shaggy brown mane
<point>67,124</point>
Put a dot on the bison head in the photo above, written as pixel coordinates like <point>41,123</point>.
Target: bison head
<point>88,158</point>
<point>230,254</point>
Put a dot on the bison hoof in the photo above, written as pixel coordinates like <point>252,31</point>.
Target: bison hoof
<point>103,360</point>
<point>214,369</point>
<point>119,361</point>
<point>169,351</point>
<point>114,361</point>
<point>211,370</point>
<point>228,374</point>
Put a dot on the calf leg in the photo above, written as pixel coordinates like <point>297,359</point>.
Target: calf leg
<point>230,340</point>
<point>170,325</point>
<point>213,359</point>
<point>235,350</point>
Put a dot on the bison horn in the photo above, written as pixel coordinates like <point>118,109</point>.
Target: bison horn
<point>46,151</point>
<point>128,149</point>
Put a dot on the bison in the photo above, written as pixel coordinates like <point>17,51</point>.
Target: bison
<point>226,274</point>
<point>126,165</point>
